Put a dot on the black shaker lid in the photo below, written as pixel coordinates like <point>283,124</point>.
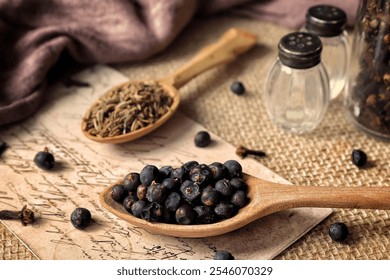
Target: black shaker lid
<point>300,50</point>
<point>325,20</point>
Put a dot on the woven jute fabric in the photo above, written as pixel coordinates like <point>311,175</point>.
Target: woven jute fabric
<point>11,248</point>
<point>321,158</point>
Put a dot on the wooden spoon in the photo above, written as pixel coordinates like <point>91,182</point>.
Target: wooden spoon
<point>228,47</point>
<point>265,198</point>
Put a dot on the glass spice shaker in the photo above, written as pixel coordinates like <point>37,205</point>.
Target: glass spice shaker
<point>328,22</point>
<point>367,96</point>
<point>297,87</point>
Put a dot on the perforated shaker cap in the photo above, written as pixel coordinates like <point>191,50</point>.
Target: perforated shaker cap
<point>325,20</point>
<point>300,50</point>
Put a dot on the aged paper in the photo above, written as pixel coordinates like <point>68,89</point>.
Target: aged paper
<point>84,168</point>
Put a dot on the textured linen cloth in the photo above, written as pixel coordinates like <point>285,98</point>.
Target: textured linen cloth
<point>38,35</point>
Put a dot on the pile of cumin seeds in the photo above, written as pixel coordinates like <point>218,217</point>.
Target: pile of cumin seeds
<point>126,109</point>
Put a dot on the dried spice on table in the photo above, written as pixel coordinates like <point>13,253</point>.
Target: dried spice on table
<point>26,216</point>
<point>243,152</point>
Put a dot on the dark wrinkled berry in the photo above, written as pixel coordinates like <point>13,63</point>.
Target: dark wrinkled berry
<point>210,196</point>
<point>166,171</point>
<point>218,171</point>
<point>179,175</point>
<point>136,208</point>
<point>239,199</point>
<point>44,160</point>
<point>129,201</point>
<point>224,187</point>
<point>190,190</point>
<point>223,255</point>
<point>338,232</point>
<point>131,181</point>
<point>239,184</point>
<point>168,184</point>
<point>202,139</point>
<point>225,209</point>
<point>359,158</point>
<point>189,165</point>
<point>152,212</point>
<point>201,174</point>
<point>141,192</point>
<point>173,201</point>
<point>234,168</point>
<point>149,174</point>
<point>185,215</point>
<point>80,218</point>
<point>168,216</point>
<point>237,88</point>
<point>118,193</point>
<point>205,214</point>
<point>155,193</point>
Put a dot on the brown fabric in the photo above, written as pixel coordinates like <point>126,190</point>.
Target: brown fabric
<point>320,158</point>
<point>35,34</point>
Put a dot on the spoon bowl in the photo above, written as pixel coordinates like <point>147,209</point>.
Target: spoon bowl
<point>227,48</point>
<point>169,89</point>
<point>264,198</point>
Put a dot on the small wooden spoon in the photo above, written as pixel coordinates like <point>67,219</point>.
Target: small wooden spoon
<point>227,48</point>
<point>265,198</point>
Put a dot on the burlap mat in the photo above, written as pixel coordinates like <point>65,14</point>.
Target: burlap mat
<point>321,158</point>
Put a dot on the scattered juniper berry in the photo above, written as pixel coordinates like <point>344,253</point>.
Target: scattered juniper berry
<point>80,217</point>
<point>338,231</point>
<point>359,158</point>
<point>44,160</point>
<point>223,255</point>
<point>237,88</point>
<point>202,139</point>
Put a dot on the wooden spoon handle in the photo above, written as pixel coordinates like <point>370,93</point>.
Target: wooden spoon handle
<point>228,47</point>
<point>334,197</point>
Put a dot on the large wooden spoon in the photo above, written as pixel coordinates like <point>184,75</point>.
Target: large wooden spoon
<point>228,47</point>
<point>265,198</point>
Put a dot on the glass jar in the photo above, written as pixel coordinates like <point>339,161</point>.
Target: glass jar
<point>296,94</point>
<point>368,88</point>
<point>328,22</point>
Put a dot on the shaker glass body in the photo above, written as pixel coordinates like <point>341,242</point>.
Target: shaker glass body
<point>335,56</point>
<point>296,99</point>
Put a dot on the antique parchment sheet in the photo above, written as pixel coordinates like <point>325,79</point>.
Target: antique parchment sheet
<point>84,168</point>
